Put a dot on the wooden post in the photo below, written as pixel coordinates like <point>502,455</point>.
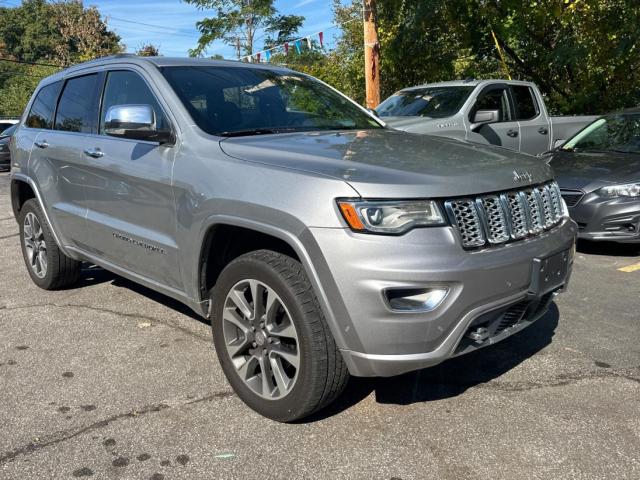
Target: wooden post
<point>371,54</point>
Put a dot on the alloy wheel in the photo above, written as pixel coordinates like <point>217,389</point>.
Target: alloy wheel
<point>261,339</point>
<point>35,245</point>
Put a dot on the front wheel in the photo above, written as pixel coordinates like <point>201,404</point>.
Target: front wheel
<point>48,266</point>
<point>271,337</point>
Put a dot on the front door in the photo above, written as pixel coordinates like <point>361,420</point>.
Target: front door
<point>131,213</point>
<point>504,133</point>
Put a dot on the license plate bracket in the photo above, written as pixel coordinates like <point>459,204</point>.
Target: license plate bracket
<point>550,273</point>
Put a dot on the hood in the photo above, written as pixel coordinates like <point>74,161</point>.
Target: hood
<point>589,171</point>
<point>385,163</point>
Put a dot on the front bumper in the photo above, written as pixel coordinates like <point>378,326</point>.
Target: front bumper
<point>612,219</point>
<point>376,341</point>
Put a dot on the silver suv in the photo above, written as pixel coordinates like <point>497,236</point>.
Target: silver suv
<point>318,242</point>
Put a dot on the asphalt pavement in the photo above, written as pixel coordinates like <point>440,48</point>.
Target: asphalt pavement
<point>110,380</point>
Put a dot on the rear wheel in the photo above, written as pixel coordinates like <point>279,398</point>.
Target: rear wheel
<point>48,267</point>
<point>272,339</point>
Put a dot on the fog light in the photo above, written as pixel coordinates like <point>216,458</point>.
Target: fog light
<point>415,299</point>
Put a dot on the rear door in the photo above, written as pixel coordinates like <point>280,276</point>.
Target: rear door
<point>534,123</point>
<point>131,210</point>
<point>504,133</point>
<point>56,163</point>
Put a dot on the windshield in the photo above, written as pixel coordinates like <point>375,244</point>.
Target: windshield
<point>230,101</point>
<point>434,102</point>
<point>613,133</point>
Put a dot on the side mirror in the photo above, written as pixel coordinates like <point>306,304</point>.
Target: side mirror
<point>137,122</point>
<point>558,143</point>
<point>484,117</point>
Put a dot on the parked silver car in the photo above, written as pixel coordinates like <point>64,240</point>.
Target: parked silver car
<point>599,176</point>
<point>507,113</point>
<point>320,243</point>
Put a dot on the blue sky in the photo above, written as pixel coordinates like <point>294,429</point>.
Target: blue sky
<point>171,23</point>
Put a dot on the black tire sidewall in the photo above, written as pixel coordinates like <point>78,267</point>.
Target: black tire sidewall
<point>293,404</point>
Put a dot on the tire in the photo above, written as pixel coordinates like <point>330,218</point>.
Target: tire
<point>59,270</point>
<point>298,391</point>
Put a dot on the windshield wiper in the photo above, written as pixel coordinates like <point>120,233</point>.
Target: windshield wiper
<point>622,151</point>
<point>274,130</point>
<point>250,131</point>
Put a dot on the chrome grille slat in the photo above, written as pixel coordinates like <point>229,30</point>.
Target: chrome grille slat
<point>496,219</point>
<point>468,222</point>
<point>508,216</point>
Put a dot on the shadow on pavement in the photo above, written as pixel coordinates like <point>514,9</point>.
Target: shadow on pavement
<point>611,249</point>
<point>449,379</point>
<point>94,275</point>
<point>453,377</point>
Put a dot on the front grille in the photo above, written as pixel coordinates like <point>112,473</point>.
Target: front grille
<point>572,197</point>
<point>507,216</point>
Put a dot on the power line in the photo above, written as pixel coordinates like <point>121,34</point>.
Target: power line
<point>23,62</point>
<point>163,29</point>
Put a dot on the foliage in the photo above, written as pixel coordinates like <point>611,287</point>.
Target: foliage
<point>148,50</point>
<point>58,33</point>
<point>236,21</point>
<point>582,53</point>
<point>285,28</point>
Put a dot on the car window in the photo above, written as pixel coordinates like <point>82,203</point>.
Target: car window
<point>613,133</point>
<point>431,102</point>
<point>128,88</point>
<point>495,99</point>
<point>526,105</point>
<point>78,106</point>
<point>9,131</point>
<point>41,113</point>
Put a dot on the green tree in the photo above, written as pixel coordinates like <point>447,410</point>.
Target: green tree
<point>148,50</point>
<point>235,22</point>
<point>583,54</point>
<point>282,29</point>
<point>38,32</point>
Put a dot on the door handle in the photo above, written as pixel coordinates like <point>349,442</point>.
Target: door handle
<point>543,131</point>
<point>94,153</point>
<point>42,144</point>
<point>512,133</point>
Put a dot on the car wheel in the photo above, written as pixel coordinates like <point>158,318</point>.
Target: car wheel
<point>271,337</point>
<point>48,267</point>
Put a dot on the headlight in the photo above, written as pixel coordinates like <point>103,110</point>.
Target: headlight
<point>391,217</point>
<point>628,190</point>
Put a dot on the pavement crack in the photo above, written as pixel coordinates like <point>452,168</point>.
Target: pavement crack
<point>9,236</point>
<point>560,381</point>
<point>204,338</point>
<point>66,435</point>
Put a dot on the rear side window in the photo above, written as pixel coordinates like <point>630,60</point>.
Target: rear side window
<point>78,105</point>
<point>526,105</point>
<point>128,88</point>
<point>41,113</point>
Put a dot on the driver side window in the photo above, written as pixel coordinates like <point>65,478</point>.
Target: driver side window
<point>493,100</point>
<point>128,88</point>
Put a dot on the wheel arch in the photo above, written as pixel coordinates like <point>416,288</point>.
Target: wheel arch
<point>282,240</point>
<point>23,188</point>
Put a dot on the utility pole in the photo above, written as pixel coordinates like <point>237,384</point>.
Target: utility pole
<point>371,54</point>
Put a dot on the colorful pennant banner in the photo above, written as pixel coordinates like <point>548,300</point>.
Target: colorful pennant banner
<point>257,57</point>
